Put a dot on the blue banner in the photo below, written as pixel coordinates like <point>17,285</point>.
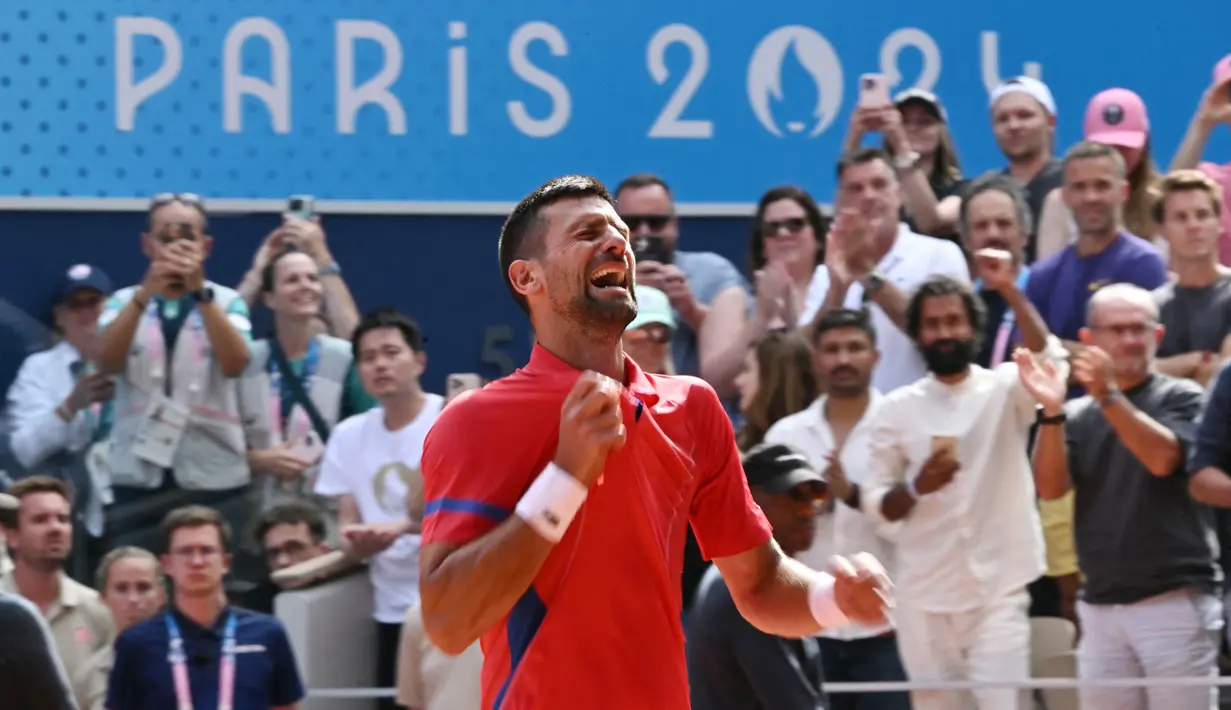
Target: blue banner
<point>480,100</point>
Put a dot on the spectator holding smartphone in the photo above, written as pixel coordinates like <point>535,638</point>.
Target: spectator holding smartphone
<point>1213,111</point>
<point>298,384</point>
<point>60,404</point>
<point>302,229</point>
<point>175,342</point>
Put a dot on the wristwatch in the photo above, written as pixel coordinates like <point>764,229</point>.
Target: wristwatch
<point>1110,398</point>
<point>873,282</point>
<point>906,161</point>
<point>330,269</point>
<point>205,295</point>
<point>1043,419</point>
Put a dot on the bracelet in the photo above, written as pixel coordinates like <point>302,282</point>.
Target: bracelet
<point>823,604</point>
<point>64,413</point>
<point>910,489</point>
<point>552,502</point>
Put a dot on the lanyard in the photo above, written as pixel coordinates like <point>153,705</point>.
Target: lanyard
<point>297,415</point>
<point>157,344</point>
<point>179,665</point>
<point>1007,322</point>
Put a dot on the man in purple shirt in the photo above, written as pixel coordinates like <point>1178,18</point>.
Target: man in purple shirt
<point>1095,189</point>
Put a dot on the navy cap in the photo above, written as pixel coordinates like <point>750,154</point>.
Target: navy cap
<point>82,277</point>
<point>777,468</point>
<point>925,97</point>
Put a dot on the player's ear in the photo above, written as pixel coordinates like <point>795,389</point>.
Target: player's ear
<point>526,277</point>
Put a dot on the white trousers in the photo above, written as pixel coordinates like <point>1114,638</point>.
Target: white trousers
<point>986,644</point>
<point>1172,635</point>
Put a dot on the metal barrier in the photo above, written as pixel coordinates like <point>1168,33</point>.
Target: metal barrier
<point>837,688</point>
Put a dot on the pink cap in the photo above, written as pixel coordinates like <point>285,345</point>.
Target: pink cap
<point>1117,117</point>
<point>1222,70</point>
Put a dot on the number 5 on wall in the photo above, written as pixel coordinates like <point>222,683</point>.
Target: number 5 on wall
<point>494,339</point>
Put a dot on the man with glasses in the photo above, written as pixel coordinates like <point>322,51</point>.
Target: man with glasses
<point>1151,605</point>
<point>707,292</point>
<point>207,642</point>
<point>175,342</point>
<point>291,533</point>
<point>60,404</point>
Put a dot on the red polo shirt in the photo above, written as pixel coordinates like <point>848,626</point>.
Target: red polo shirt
<point>600,626</point>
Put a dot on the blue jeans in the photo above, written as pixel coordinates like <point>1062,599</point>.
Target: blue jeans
<point>869,660</point>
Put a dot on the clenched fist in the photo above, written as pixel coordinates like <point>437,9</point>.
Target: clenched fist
<point>591,426</point>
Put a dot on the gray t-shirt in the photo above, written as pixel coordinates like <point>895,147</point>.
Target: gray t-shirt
<point>1195,318</point>
<point>31,674</point>
<point>734,666</point>
<point>708,275</point>
<point>1138,535</point>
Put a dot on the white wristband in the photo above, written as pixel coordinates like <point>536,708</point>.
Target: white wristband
<point>823,605</point>
<point>552,502</point>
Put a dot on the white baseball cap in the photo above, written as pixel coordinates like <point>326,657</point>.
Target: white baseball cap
<point>1030,86</point>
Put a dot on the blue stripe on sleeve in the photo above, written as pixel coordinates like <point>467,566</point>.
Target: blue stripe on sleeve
<point>462,505</point>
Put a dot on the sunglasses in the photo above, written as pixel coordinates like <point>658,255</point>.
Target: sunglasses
<point>652,334</point>
<point>166,198</point>
<point>794,225</point>
<point>654,222</point>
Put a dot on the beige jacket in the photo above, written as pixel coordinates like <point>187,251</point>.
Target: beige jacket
<point>82,628</point>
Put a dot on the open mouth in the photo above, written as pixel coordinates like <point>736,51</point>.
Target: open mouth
<point>610,277</point>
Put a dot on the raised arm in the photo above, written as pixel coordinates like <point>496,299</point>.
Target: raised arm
<point>471,574</point>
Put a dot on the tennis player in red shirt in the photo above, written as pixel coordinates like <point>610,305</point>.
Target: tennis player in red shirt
<point>558,497</point>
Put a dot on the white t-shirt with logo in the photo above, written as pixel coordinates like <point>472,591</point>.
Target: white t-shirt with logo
<point>367,461</point>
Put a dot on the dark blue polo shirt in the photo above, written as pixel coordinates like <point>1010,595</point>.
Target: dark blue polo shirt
<point>265,672</point>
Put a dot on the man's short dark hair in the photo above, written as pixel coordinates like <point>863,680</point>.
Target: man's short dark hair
<point>194,516</point>
<point>522,234</point>
<point>387,317</point>
<point>292,513</point>
<point>29,486</point>
<point>995,182</point>
<point>863,156</point>
<point>636,181</point>
<point>936,287</point>
<point>844,318</point>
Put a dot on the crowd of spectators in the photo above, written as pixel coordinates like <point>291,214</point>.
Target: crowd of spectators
<point>1009,387</point>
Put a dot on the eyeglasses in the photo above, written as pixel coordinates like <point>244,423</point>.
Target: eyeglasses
<point>652,333</point>
<point>655,222</point>
<point>289,548</point>
<point>205,552</point>
<point>794,225</point>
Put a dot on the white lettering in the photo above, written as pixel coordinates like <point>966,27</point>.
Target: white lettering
<point>351,98</point>
<point>916,38</point>
<point>562,102</point>
<point>458,90</point>
<point>989,61</point>
<point>129,96</point>
<point>275,93</point>
<point>817,57</point>
<point>669,124</point>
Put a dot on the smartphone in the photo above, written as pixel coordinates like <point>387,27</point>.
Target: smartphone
<point>301,206</point>
<point>874,91</point>
<point>651,249</point>
<point>944,443</point>
<point>460,382</point>
<point>309,448</point>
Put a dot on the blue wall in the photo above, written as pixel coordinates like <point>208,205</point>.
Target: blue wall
<point>441,270</point>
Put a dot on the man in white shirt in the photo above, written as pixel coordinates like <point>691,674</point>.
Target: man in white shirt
<point>58,406</point>
<point>834,433</point>
<point>949,460</point>
<point>873,260</point>
<point>372,466</point>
